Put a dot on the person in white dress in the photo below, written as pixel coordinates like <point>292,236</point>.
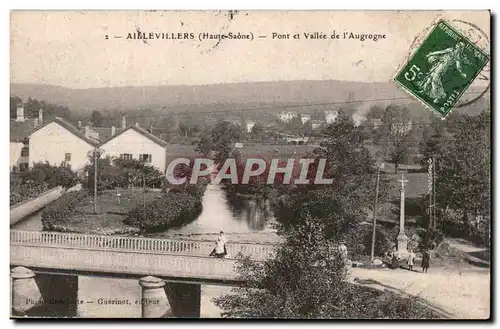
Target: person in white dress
<point>411,259</point>
<point>220,250</point>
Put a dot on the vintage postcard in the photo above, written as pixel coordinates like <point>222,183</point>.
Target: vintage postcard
<point>250,164</point>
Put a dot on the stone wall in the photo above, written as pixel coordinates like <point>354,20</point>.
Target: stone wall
<point>27,207</point>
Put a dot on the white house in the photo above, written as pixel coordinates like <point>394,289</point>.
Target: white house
<point>58,141</point>
<point>316,124</point>
<point>401,128</point>
<point>304,118</point>
<point>286,116</point>
<point>330,116</point>
<point>20,129</point>
<point>137,143</point>
<point>250,125</point>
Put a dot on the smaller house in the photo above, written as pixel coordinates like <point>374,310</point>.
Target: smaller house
<point>304,118</point>
<point>20,129</point>
<point>250,125</point>
<point>286,116</point>
<point>316,124</point>
<point>137,143</point>
<point>331,115</point>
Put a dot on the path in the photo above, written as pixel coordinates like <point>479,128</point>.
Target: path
<point>463,293</point>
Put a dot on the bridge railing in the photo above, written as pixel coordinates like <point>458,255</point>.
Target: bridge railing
<point>135,244</point>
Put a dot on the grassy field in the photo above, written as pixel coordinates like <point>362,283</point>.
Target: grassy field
<point>110,202</point>
<point>111,210</point>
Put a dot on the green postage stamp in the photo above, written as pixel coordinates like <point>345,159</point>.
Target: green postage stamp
<point>442,68</point>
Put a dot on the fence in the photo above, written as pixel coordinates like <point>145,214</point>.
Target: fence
<point>135,244</point>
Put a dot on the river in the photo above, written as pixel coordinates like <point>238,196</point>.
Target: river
<point>250,221</point>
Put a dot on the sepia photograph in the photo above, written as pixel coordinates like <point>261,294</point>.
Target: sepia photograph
<point>232,164</point>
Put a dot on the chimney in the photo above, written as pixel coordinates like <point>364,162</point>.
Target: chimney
<point>124,122</point>
<point>151,128</point>
<point>87,131</point>
<point>113,130</point>
<point>79,125</point>
<point>20,113</point>
<point>40,116</point>
<point>137,124</point>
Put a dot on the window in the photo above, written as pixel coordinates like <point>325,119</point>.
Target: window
<point>25,151</point>
<point>67,157</point>
<point>126,156</point>
<point>145,157</point>
<point>23,167</point>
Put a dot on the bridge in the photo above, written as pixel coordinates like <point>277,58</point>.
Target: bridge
<point>187,259</point>
<point>159,260</point>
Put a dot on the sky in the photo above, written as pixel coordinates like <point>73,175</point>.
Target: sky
<point>69,49</point>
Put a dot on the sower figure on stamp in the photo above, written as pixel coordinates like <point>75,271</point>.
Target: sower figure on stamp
<point>442,61</point>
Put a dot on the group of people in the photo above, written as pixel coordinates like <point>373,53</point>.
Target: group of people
<point>425,264</point>
<point>220,251</point>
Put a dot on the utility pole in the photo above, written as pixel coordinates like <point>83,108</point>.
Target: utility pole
<point>374,229</point>
<point>143,192</point>
<point>95,154</point>
<point>430,174</point>
<point>95,182</point>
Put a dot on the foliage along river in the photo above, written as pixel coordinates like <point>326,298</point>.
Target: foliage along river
<point>252,219</point>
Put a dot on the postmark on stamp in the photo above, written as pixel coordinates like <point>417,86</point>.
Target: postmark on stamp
<point>442,68</point>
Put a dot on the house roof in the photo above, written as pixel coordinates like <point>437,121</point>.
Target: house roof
<point>105,132</point>
<point>141,131</point>
<point>21,130</point>
<point>70,127</point>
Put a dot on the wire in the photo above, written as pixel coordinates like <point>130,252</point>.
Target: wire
<point>281,107</point>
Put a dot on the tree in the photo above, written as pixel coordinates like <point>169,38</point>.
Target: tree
<point>342,205</point>
<point>221,141</point>
<point>14,101</point>
<point>463,182</point>
<point>307,279</point>
<point>96,118</point>
<point>396,135</point>
<point>257,130</point>
<point>33,106</point>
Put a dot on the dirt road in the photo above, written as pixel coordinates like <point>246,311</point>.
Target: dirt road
<point>465,293</point>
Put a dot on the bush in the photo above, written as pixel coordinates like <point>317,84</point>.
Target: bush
<point>115,173</point>
<point>59,211</point>
<point>383,241</point>
<point>178,207</point>
<point>52,175</point>
<point>20,192</point>
<point>39,179</point>
<point>429,238</point>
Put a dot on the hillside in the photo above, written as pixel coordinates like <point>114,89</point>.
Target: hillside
<point>217,97</point>
<point>238,93</point>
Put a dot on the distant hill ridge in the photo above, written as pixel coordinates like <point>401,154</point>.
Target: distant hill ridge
<point>206,97</point>
<point>304,91</point>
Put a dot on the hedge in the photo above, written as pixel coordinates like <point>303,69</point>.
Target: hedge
<point>177,208</point>
<point>21,192</point>
<point>59,211</point>
<point>54,176</point>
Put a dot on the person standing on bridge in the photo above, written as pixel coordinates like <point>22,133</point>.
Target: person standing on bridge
<point>220,250</point>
